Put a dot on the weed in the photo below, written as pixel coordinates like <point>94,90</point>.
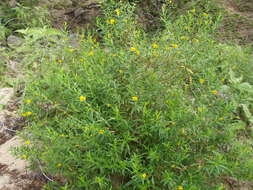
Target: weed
<point>135,111</point>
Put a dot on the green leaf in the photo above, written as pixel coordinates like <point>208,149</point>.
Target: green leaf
<point>247,113</point>
<point>233,78</point>
<point>245,87</point>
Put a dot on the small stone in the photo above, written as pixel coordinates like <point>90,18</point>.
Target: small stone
<point>79,11</point>
<point>12,65</point>
<point>74,41</point>
<point>14,41</point>
<point>5,179</point>
<point>5,95</point>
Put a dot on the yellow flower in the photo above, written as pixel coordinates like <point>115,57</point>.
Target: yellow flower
<point>26,114</point>
<point>91,53</point>
<point>205,14</point>
<point>193,10</point>
<point>214,92</point>
<point>138,52</point>
<point>201,109</point>
<point>174,45</point>
<point>82,98</point>
<point>27,142</point>
<point>201,81</point>
<point>28,101</point>
<point>59,165</point>
<point>180,188</point>
<point>154,45</point>
<point>184,38</point>
<point>135,98</point>
<point>117,12</point>
<point>24,157</point>
<point>29,113</point>
<point>133,49</point>
<point>144,176</point>
<point>59,60</point>
<point>195,40</point>
<point>101,132</point>
<point>111,21</point>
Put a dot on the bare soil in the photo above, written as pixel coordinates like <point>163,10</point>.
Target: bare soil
<point>238,24</point>
<point>14,172</point>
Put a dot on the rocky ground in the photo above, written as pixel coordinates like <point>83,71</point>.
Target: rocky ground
<point>14,172</point>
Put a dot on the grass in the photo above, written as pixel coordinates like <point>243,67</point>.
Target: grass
<point>135,110</point>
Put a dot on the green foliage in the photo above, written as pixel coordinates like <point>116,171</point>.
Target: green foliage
<point>23,16</point>
<point>2,69</point>
<point>3,33</point>
<point>139,112</point>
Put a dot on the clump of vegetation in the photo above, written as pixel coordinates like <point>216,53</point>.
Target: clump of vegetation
<point>24,14</point>
<point>171,110</point>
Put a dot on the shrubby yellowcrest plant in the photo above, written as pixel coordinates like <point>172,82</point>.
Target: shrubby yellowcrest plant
<point>153,116</point>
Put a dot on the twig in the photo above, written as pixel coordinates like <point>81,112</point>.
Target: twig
<point>14,131</point>
<point>43,172</point>
<point>5,128</point>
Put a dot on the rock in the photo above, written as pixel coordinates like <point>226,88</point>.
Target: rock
<point>79,11</point>
<point>5,95</point>
<point>14,41</point>
<point>73,39</point>
<point>5,179</point>
<point>12,65</point>
<point>56,3</point>
<point>13,172</point>
<point>7,159</point>
<point>2,121</point>
<point>84,3</point>
<point>12,3</point>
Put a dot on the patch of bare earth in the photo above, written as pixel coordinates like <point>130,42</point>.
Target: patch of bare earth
<point>235,184</point>
<point>238,24</point>
<point>14,174</point>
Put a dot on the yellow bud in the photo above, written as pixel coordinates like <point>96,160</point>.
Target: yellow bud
<point>144,176</point>
<point>27,142</point>
<point>214,92</point>
<point>82,98</point>
<point>135,98</point>
<point>117,12</point>
<point>154,45</point>
<point>201,81</point>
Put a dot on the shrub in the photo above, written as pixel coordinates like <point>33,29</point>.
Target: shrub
<point>24,15</point>
<point>135,111</point>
